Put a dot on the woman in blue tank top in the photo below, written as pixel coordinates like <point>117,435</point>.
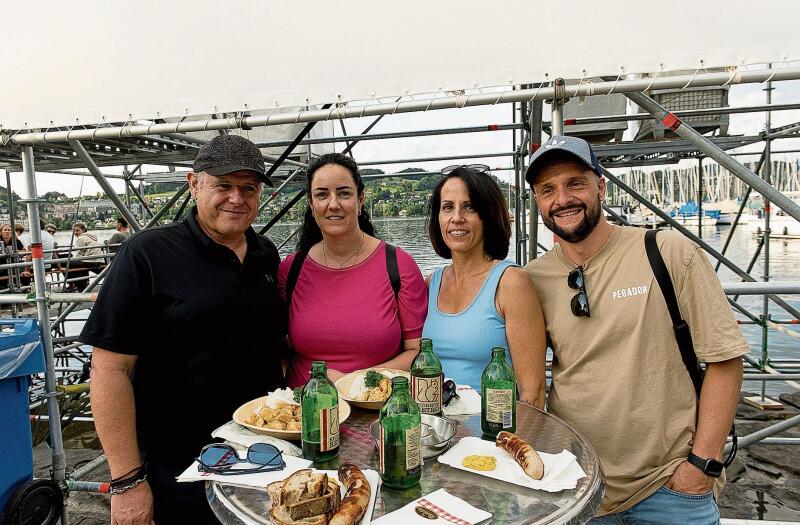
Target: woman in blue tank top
<point>480,300</point>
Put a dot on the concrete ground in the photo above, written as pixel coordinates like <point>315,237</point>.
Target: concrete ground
<point>763,481</point>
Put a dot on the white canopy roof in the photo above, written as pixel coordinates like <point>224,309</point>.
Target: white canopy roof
<point>95,61</point>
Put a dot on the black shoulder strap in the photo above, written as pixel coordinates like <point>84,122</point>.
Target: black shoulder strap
<point>682,334</point>
<point>392,269</point>
<point>294,273</point>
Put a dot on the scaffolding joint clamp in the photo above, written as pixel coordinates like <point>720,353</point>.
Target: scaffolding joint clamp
<point>559,92</point>
<point>31,299</point>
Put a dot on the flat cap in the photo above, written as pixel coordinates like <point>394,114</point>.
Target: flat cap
<point>227,154</point>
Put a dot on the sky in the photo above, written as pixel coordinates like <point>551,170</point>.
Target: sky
<point>467,144</point>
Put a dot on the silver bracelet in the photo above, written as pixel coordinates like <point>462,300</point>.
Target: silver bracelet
<point>127,486</point>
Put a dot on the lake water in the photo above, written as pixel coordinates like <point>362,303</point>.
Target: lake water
<point>410,234</point>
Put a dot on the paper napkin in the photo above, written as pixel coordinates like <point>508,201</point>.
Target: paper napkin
<point>242,436</point>
<point>468,403</point>
<point>445,506</point>
<point>257,479</point>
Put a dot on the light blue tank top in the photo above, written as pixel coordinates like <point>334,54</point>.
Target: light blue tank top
<point>464,341</point>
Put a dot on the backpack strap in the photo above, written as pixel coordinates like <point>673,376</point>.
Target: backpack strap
<point>392,269</point>
<point>682,334</point>
<point>294,273</point>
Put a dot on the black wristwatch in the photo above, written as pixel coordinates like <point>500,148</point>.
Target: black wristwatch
<point>710,467</point>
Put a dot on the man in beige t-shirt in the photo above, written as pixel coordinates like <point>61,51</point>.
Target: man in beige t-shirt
<point>618,377</point>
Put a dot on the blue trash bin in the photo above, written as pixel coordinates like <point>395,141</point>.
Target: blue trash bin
<point>21,354</point>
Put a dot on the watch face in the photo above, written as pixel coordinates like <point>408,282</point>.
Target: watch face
<point>713,468</point>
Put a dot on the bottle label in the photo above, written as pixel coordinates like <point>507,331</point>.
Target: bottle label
<point>413,452</point>
<point>328,428</point>
<point>499,405</point>
<point>427,392</point>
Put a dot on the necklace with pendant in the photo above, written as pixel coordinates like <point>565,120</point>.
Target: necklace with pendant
<point>342,262</point>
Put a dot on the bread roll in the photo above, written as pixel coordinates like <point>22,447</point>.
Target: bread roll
<point>522,453</point>
<point>356,499</point>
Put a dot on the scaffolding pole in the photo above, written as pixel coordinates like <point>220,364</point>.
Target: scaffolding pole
<point>535,141</point>
<point>459,101</point>
<point>37,255</point>
<point>101,180</point>
<point>765,317</point>
<point>709,148</point>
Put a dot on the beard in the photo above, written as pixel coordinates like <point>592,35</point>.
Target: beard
<point>591,216</point>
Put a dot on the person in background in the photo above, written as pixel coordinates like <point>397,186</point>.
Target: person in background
<point>8,249</point>
<point>51,229</point>
<point>481,300</point>
<point>87,245</point>
<point>342,307</point>
<point>183,306</point>
<point>8,238</point>
<point>618,374</point>
<point>48,245</point>
<point>121,235</point>
<point>22,237</point>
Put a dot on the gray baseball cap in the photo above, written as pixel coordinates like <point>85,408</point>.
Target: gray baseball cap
<point>227,154</point>
<point>578,148</point>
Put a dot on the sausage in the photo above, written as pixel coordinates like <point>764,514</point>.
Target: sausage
<point>356,499</point>
<point>522,453</point>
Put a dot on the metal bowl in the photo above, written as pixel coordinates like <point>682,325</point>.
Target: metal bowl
<point>437,434</point>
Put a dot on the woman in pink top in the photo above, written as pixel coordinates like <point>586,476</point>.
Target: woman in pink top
<point>342,307</point>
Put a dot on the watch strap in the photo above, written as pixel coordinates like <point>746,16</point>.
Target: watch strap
<point>710,467</point>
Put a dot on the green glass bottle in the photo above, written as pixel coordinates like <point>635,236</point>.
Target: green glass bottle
<point>498,395</point>
<point>426,379</point>
<point>320,432</point>
<point>400,459</point>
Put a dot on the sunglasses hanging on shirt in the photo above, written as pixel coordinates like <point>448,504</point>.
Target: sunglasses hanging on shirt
<point>580,302</point>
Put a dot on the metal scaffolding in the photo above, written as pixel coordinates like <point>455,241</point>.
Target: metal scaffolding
<point>172,145</point>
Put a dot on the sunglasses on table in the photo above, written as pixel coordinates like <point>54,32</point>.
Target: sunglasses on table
<point>580,301</point>
<point>218,458</point>
<point>480,168</point>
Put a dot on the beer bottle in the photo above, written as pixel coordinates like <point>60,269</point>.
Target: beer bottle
<point>320,420</point>
<point>400,459</point>
<point>426,379</point>
<point>498,396</point>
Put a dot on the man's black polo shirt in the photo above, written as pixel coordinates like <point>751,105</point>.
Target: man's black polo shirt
<point>205,327</point>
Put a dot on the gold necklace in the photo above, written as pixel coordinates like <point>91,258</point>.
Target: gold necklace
<point>342,263</point>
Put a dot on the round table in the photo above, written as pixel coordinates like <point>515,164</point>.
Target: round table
<point>507,502</point>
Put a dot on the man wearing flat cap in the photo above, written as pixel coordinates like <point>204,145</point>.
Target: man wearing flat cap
<point>618,372</point>
<point>187,327</point>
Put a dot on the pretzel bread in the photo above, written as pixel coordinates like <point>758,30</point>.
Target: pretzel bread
<point>522,453</point>
<point>356,499</point>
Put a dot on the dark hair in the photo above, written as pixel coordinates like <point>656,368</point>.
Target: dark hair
<point>122,222</point>
<point>310,233</point>
<point>487,199</point>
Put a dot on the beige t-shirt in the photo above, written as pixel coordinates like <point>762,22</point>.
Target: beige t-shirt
<point>618,376</point>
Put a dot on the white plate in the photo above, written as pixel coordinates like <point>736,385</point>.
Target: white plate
<point>344,383</point>
<point>244,411</point>
<point>561,471</point>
